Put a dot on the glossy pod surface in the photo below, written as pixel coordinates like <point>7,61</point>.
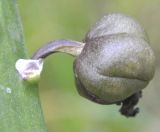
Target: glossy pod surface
<point>116,61</point>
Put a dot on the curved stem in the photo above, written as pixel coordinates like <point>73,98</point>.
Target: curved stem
<point>71,47</point>
<point>30,69</point>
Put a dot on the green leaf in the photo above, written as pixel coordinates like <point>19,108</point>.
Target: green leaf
<point>20,109</point>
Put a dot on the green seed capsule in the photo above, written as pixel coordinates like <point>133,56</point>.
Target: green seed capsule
<point>116,61</point>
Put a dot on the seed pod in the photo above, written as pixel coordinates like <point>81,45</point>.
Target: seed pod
<point>116,61</point>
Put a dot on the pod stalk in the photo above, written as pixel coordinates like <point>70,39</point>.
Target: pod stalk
<point>71,47</point>
<point>30,69</point>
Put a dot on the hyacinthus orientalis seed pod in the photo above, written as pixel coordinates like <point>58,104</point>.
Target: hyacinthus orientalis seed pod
<point>116,61</point>
<point>112,66</point>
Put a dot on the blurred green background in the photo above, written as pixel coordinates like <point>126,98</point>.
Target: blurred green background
<point>64,109</point>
